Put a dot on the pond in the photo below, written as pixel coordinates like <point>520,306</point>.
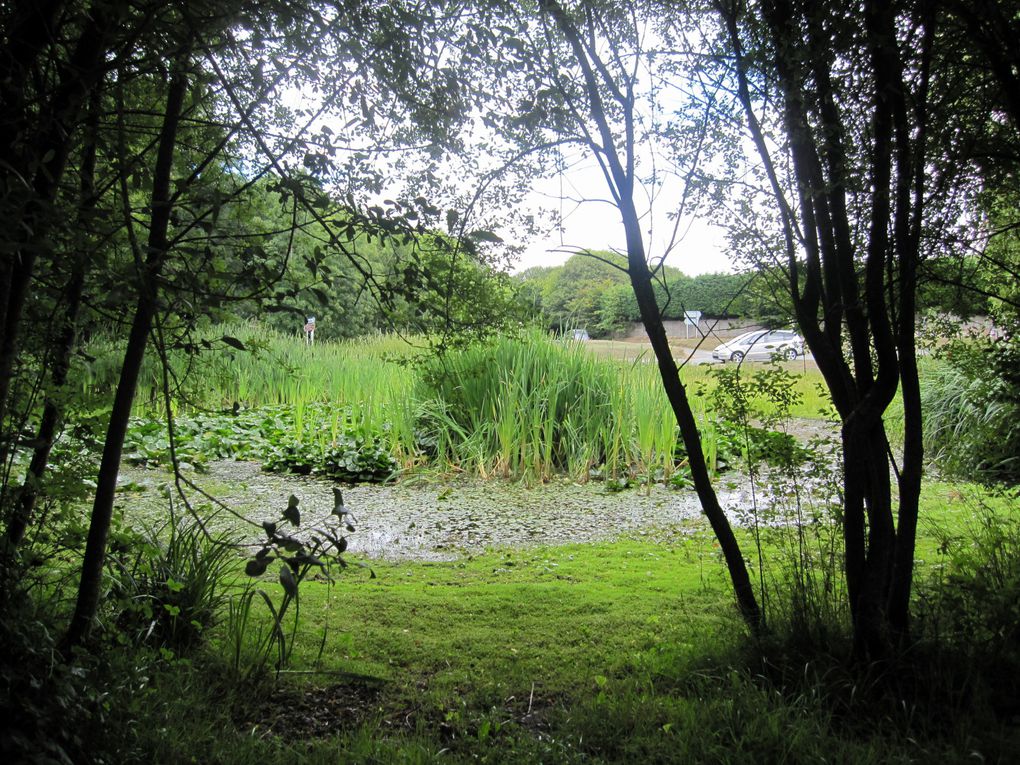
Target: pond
<point>441,520</point>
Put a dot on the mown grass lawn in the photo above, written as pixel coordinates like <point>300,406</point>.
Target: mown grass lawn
<point>629,651</point>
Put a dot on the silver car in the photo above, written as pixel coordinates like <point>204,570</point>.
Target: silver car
<point>761,345</point>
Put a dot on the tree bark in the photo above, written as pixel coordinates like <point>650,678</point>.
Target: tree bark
<point>63,346</point>
<point>39,168</point>
<point>868,293</point>
<point>620,173</point>
<point>106,481</point>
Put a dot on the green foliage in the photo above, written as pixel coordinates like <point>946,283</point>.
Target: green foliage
<point>527,407</point>
<point>251,642</point>
<point>276,436</point>
<point>767,397</point>
<point>954,286</point>
<point>352,457</point>
<point>45,703</point>
<point>167,585</point>
<point>534,407</point>
<point>972,411</point>
<point>796,531</point>
<point>531,404</point>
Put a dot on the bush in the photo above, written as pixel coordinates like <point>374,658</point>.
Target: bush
<point>44,702</point>
<point>972,411</point>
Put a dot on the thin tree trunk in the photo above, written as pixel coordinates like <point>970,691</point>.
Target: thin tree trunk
<point>677,395</point>
<point>106,481</point>
<point>50,149</point>
<point>63,347</point>
<point>619,157</point>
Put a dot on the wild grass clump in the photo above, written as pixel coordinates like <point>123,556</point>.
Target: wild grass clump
<point>971,401</point>
<point>533,407</point>
<point>251,365</point>
<point>972,425</point>
<point>524,407</point>
<point>171,589</point>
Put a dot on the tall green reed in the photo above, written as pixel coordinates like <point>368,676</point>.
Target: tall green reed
<point>526,407</point>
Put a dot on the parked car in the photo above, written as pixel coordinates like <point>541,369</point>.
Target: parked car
<point>761,345</point>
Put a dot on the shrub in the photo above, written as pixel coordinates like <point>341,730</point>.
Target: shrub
<point>44,702</point>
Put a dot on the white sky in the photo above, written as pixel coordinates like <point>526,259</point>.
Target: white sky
<point>595,224</point>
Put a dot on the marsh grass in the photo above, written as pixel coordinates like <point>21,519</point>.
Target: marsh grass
<point>526,407</point>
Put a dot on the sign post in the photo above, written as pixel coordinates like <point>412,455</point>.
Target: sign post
<point>310,331</point>
<point>692,319</point>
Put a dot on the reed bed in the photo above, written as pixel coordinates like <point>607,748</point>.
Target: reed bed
<point>527,407</point>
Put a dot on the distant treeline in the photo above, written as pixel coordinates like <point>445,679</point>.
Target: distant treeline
<point>591,292</point>
<point>594,293</point>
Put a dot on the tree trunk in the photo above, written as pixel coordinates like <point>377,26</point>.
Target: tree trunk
<point>619,155</point>
<point>63,346</point>
<point>677,395</point>
<point>48,151</point>
<point>106,481</point>
<point>869,298</point>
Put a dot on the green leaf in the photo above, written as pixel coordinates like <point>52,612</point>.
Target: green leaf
<point>233,342</point>
<point>256,567</point>
<point>484,236</point>
<point>288,582</point>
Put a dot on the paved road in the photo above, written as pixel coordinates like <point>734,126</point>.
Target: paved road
<point>702,356</point>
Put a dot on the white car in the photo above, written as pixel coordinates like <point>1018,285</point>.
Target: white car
<point>761,345</point>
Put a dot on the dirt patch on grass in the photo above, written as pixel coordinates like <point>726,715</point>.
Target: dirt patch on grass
<point>299,713</point>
